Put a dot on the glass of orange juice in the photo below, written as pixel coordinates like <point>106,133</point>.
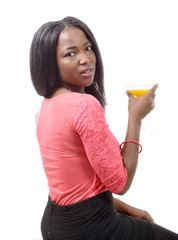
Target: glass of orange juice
<point>139,90</point>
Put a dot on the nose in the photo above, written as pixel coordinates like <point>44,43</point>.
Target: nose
<point>84,59</point>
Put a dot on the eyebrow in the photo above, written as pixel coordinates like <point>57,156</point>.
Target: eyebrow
<point>73,47</point>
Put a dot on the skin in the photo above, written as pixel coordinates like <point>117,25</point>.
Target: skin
<point>138,108</point>
<point>132,211</point>
<point>76,60</point>
<point>76,63</point>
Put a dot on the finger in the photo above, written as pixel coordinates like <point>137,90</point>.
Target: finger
<point>151,98</point>
<point>153,89</point>
<point>153,104</point>
<point>129,94</point>
<point>148,217</point>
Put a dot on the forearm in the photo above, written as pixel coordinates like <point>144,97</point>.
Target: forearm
<point>138,108</point>
<point>121,206</point>
<point>130,151</point>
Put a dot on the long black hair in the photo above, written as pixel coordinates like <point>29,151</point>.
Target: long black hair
<point>43,63</point>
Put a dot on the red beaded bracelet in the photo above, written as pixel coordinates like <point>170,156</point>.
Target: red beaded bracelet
<point>130,141</point>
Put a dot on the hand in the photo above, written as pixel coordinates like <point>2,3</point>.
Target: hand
<point>135,212</point>
<point>140,107</point>
<point>123,207</point>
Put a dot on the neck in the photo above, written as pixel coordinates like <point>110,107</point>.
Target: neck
<point>66,89</point>
<point>74,88</point>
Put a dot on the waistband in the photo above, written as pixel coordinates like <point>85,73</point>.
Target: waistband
<point>104,199</point>
<point>93,218</point>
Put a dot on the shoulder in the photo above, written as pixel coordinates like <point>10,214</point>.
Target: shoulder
<point>73,98</point>
<point>87,105</point>
<point>89,101</point>
<point>87,110</point>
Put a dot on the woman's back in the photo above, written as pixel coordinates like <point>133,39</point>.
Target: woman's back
<point>73,169</point>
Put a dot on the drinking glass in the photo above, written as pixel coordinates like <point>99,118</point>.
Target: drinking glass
<point>138,91</point>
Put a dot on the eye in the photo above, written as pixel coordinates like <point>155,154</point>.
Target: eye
<point>89,48</point>
<point>70,54</point>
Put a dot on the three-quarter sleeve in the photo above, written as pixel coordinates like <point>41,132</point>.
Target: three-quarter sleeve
<point>101,146</point>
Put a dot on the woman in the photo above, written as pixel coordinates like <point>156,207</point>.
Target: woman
<point>82,160</point>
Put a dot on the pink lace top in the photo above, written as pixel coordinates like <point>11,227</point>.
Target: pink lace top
<point>80,155</point>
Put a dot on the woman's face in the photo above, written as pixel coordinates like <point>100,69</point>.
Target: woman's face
<point>76,59</point>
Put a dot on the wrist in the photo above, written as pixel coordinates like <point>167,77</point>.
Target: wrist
<point>133,129</point>
<point>134,120</point>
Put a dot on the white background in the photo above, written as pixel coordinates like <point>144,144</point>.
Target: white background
<point>139,44</point>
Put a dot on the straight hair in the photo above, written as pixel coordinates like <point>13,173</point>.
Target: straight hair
<point>43,64</point>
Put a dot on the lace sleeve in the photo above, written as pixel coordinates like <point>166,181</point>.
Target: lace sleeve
<point>102,148</point>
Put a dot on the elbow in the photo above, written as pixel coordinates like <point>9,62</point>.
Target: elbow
<point>130,176</point>
<point>126,187</point>
<point>123,191</point>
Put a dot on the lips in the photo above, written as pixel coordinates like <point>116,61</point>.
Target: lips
<point>87,71</point>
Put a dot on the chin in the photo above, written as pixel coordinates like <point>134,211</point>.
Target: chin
<point>89,83</point>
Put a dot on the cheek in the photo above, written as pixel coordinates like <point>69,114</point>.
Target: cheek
<point>94,62</point>
<point>65,69</point>
<point>94,59</point>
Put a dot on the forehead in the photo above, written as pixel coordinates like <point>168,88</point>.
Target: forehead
<point>71,36</point>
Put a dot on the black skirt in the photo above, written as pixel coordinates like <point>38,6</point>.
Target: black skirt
<point>94,218</point>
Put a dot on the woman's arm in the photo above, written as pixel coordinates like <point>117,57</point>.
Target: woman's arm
<point>138,109</point>
<point>132,211</point>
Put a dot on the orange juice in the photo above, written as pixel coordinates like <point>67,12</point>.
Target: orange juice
<point>138,92</point>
